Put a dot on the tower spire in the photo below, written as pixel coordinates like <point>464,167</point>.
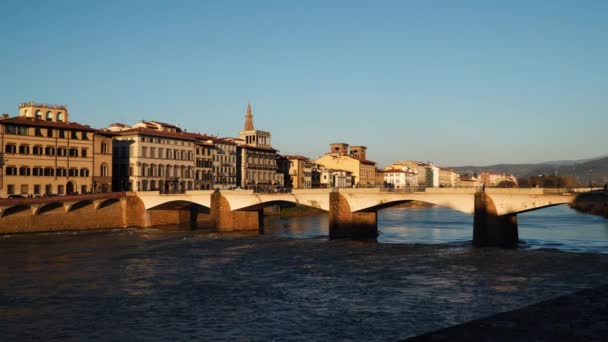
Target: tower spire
<point>248,119</point>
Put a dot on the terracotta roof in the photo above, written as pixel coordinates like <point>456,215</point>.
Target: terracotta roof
<point>19,120</point>
<point>365,161</point>
<point>296,157</point>
<point>148,131</point>
<point>259,148</point>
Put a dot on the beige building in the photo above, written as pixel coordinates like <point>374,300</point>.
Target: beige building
<point>401,177</point>
<point>44,153</point>
<point>153,156</point>
<point>494,179</point>
<point>256,159</point>
<point>300,172</point>
<point>427,173</point>
<point>203,168</point>
<point>332,178</point>
<point>448,178</point>
<point>363,170</point>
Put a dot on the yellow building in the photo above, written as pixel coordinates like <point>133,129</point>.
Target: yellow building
<point>448,178</point>
<point>44,153</point>
<point>363,170</point>
<point>300,172</point>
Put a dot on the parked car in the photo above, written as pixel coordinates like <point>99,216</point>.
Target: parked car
<point>16,196</point>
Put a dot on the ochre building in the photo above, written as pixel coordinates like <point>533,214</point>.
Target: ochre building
<point>44,153</point>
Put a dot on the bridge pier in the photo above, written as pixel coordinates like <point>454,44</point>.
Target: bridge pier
<point>346,224</point>
<point>224,219</point>
<point>491,230</point>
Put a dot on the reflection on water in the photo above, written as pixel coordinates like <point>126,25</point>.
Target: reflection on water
<point>155,284</point>
<point>558,227</point>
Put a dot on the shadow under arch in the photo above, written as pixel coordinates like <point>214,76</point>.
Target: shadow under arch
<point>180,204</point>
<point>15,210</point>
<point>107,202</point>
<point>80,205</point>
<point>395,203</point>
<point>280,203</point>
<point>48,207</point>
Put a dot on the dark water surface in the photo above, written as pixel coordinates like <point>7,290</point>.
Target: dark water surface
<point>422,275</point>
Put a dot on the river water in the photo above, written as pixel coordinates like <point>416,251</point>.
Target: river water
<point>291,283</point>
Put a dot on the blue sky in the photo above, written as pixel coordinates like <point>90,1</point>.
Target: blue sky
<point>452,82</point>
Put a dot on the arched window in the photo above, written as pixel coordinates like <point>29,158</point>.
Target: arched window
<point>38,115</point>
<point>104,170</point>
<point>60,116</point>
<point>49,116</point>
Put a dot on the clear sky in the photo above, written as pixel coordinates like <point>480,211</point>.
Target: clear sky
<point>452,82</point>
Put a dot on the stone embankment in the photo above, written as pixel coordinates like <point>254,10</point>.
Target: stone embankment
<point>580,316</point>
<point>595,203</point>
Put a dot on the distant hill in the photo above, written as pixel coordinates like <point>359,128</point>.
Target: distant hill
<point>595,169</point>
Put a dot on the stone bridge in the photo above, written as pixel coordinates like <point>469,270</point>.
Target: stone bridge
<point>353,212</point>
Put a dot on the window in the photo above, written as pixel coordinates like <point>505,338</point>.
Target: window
<point>104,170</point>
<point>38,131</point>
<point>104,147</point>
<point>48,171</point>
<point>37,171</point>
<point>152,152</point>
<point>36,189</point>
<point>49,116</point>
<point>10,189</point>
<point>49,132</point>
<point>84,172</point>
<point>61,172</point>
<point>83,153</point>
<point>61,134</point>
<point>11,171</point>
<point>60,189</point>
<point>24,171</point>
<point>144,152</point>
<point>60,116</point>
<point>24,149</point>
<point>10,148</point>
<point>73,152</point>
<point>61,151</point>
<point>49,151</point>
<point>24,189</point>
<point>73,135</point>
<point>73,172</point>
<point>84,135</point>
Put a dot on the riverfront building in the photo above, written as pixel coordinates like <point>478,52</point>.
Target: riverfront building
<point>256,159</point>
<point>45,153</point>
<point>300,172</point>
<point>152,155</point>
<point>401,177</point>
<point>354,161</point>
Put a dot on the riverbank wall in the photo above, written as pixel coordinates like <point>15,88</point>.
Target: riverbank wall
<point>595,203</point>
<point>100,211</point>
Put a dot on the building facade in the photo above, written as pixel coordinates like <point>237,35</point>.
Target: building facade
<point>300,172</point>
<point>256,159</point>
<point>46,154</point>
<point>401,178</point>
<point>363,171</point>
<point>153,156</point>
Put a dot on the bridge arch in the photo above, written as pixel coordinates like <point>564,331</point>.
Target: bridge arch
<point>46,207</point>
<point>13,210</point>
<point>77,205</point>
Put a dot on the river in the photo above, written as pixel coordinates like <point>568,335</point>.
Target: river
<point>291,283</point>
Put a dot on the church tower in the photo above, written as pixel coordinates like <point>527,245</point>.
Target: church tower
<point>248,119</point>
<point>252,136</point>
